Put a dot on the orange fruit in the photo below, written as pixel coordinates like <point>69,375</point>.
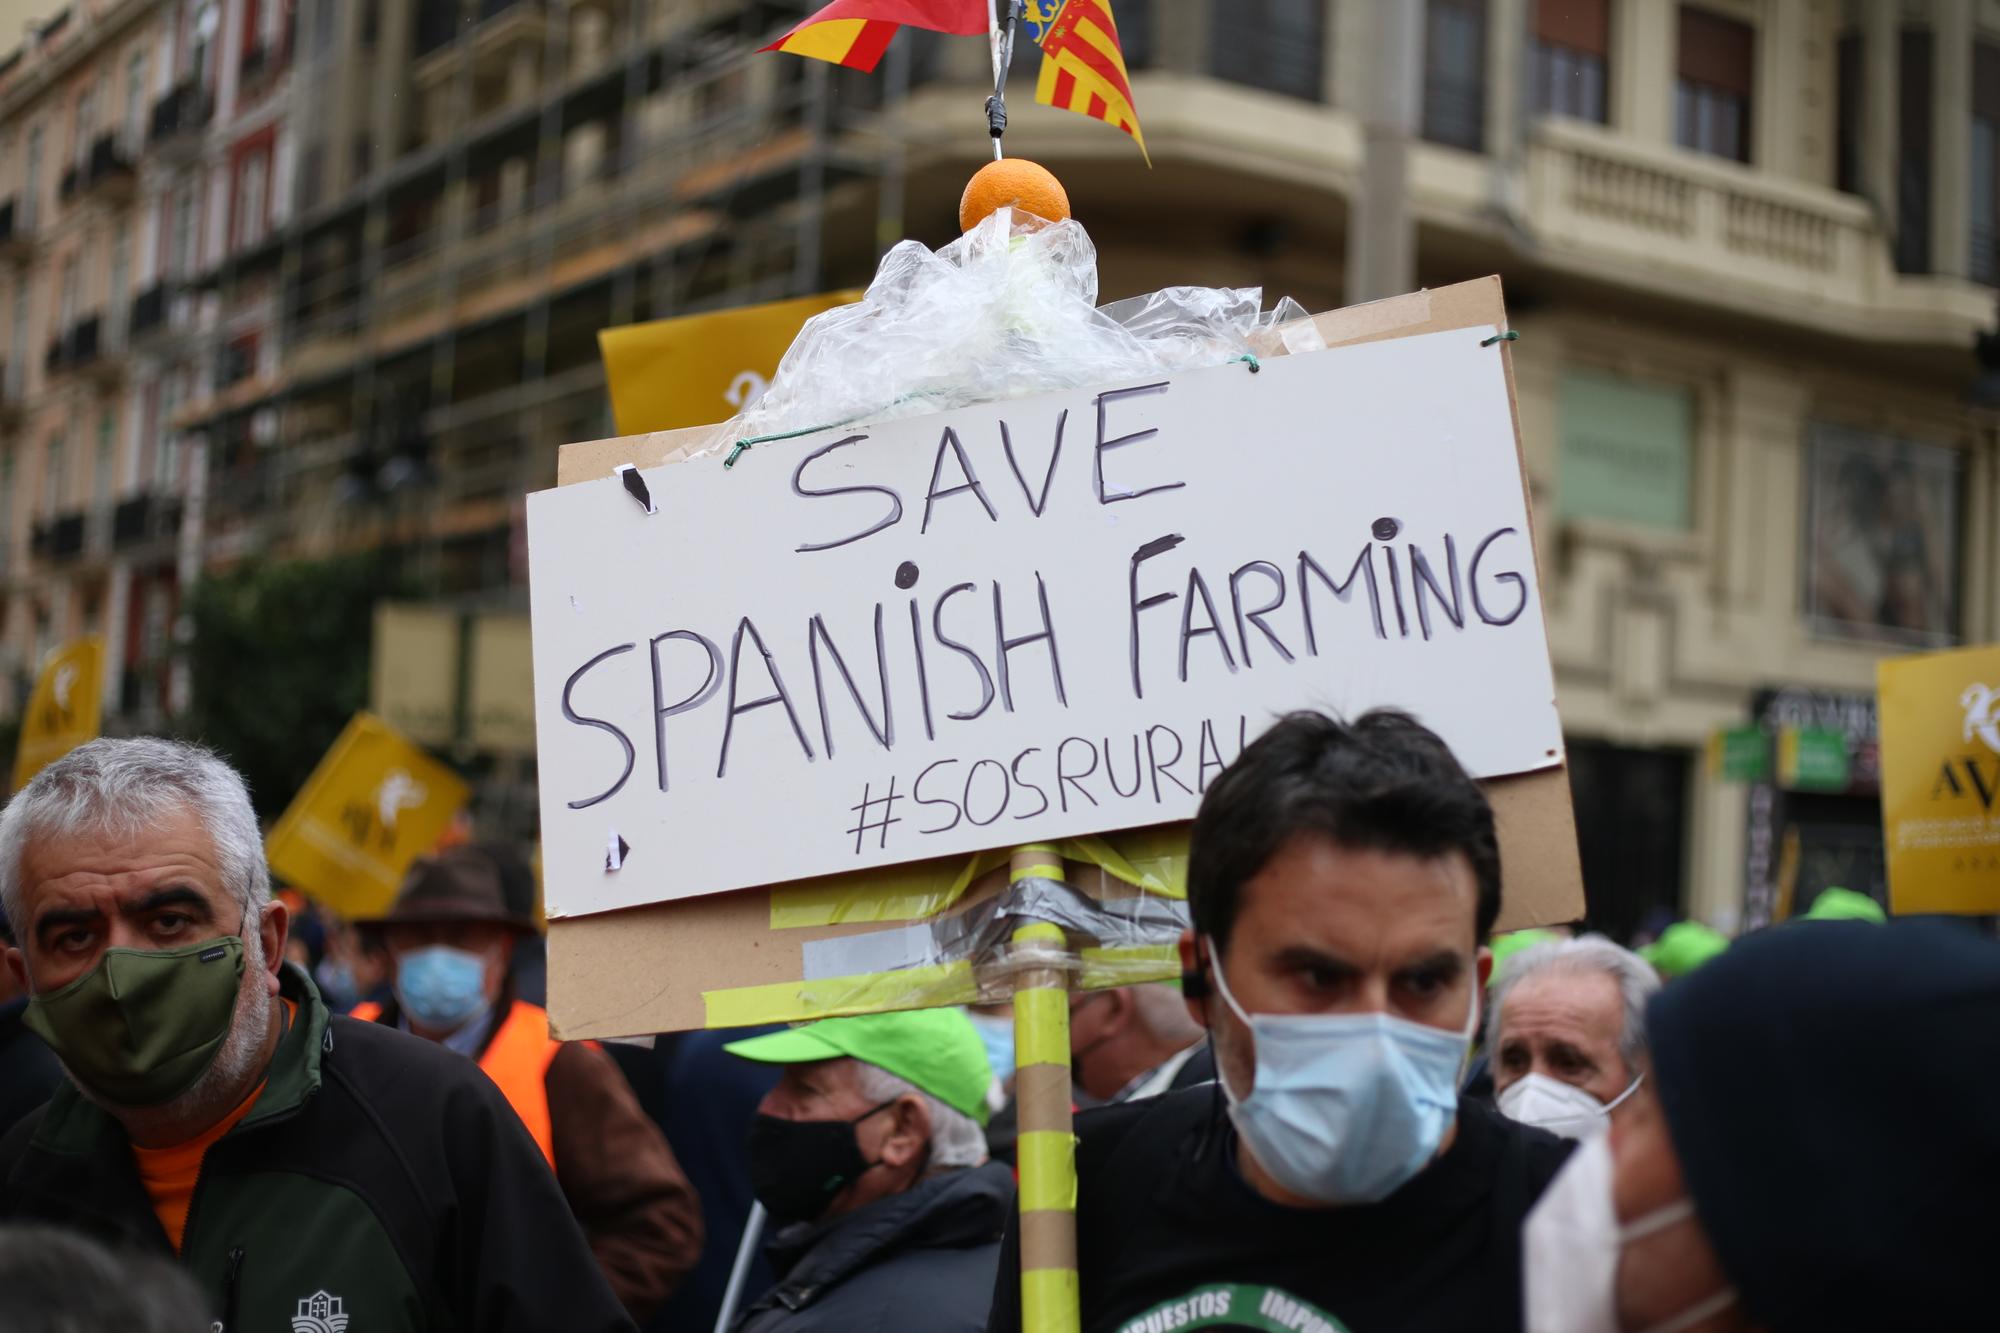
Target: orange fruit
<point>1012,181</point>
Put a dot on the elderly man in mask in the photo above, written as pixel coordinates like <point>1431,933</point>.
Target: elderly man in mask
<point>1566,1032</point>
<point>340,1170</point>
<point>869,1158</point>
<point>453,937</point>
<point>1814,1147</point>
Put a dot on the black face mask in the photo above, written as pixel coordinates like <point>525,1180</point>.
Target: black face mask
<point>797,1166</point>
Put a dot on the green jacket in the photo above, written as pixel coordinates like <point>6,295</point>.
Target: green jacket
<point>379,1177</point>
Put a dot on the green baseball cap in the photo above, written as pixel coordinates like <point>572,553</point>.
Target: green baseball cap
<point>936,1049</point>
<point>1838,904</point>
<point>1507,945</point>
<point>1683,947</point>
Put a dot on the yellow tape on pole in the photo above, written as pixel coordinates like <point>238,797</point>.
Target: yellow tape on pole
<point>1050,1301</point>
<point>1041,1027</point>
<point>1053,1158</point>
<point>1047,1154</point>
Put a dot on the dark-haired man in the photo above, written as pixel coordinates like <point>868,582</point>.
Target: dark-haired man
<point>1340,879</point>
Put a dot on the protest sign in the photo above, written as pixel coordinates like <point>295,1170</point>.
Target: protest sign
<point>374,804</point>
<point>1940,719</point>
<point>666,374</point>
<point>65,710</point>
<point>763,954</point>
<point>1054,616</point>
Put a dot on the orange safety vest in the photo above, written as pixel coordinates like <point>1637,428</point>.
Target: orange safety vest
<point>517,1059</point>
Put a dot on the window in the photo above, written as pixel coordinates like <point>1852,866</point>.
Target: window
<point>1712,93</point>
<point>1850,86</point>
<point>66,304</point>
<point>202,45</point>
<point>1276,45</point>
<point>1626,452</point>
<point>116,306</point>
<point>1631,829</point>
<point>6,504</point>
<point>1983,229</point>
<point>180,258</point>
<point>252,205</point>
<point>17,347</point>
<point>31,177</point>
<point>86,125</point>
<point>166,456</point>
<point>100,472</point>
<point>1571,50</point>
<point>52,479</point>
<point>1913,151</point>
<point>1882,537</point>
<point>1455,73</point>
<point>134,128</point>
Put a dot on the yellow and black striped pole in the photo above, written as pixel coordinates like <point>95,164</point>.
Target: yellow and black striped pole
<point>1046,1151</point>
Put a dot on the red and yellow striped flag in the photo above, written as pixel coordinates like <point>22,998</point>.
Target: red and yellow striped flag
<point>855,33</point>
<point>1083,69</point>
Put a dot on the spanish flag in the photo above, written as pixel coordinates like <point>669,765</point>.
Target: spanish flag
<point>855,33</point>
<point>1083,69</point>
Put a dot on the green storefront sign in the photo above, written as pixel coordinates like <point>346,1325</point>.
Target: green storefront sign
<point>1813,759</point>
<point>1740,754</point>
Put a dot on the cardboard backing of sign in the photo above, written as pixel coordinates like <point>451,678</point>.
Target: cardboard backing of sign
<point>663,968</point>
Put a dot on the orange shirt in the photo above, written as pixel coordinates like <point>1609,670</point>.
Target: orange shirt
<point>169,1174</point>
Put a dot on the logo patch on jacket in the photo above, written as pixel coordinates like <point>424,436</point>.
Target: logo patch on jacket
<point>320,1313</point>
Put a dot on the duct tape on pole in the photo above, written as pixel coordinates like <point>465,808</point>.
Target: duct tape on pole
<point>1046,1149</point>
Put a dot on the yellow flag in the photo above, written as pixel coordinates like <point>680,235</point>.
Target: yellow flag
<point>1940,721</point>
<point>66,709</point>
<point>696,369</point>
<point>375,804</point>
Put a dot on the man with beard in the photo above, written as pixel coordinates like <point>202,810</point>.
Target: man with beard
<point>307,1170</point>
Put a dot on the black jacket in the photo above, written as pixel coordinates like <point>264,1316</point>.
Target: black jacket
<point>923,1259</point>
<point>377,1177</point>
<point>28,1068</point>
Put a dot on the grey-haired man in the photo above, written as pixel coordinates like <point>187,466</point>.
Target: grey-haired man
<point>1567,1031</point>
<point>301,1166</point>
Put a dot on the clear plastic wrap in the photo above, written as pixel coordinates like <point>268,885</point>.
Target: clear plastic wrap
<point>1008,309</point>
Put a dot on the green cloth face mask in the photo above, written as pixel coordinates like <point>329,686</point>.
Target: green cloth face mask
<point>144,1024</point>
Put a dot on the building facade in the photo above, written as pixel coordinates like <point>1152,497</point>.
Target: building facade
<point>139,148</point>
<point>1749,245</point>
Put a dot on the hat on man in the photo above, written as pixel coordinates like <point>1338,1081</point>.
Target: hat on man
<point>1829,1092</point>
<point>936,1049</point>
<point>1838,904</point>
<point>1683,947</point>
<point>459,884</point>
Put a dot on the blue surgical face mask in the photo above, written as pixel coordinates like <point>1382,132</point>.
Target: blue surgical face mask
<point>1346,1107</point>
<point>996,1033</point>
<point>441,987</point>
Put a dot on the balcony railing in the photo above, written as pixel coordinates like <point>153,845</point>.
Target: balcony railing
<point>86,343</point>
<point>110,171</point>
<point>145,517</point>
<point>1671,217</point>
<point>184,111</point>
<point>149,312</point>
<point>60,538</point>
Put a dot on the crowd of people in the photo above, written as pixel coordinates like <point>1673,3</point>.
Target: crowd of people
<point>220,1110</point>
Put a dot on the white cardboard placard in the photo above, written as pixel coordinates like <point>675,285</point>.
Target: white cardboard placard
<point>1075,636</point>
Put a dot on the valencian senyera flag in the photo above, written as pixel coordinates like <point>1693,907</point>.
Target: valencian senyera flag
<point>855,33</point>
<point>1083,68</point>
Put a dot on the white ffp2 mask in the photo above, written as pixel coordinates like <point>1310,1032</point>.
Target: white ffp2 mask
<point>1570,1247</point>
<point>1560,1108</point>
